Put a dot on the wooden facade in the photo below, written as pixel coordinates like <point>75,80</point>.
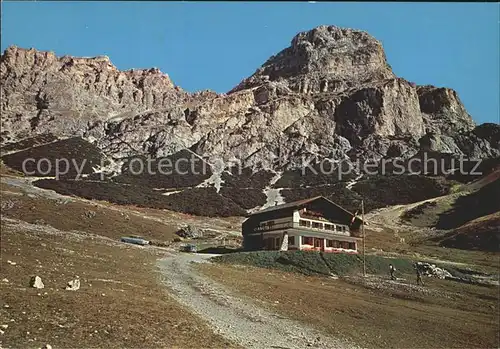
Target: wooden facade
<point>316,224</point>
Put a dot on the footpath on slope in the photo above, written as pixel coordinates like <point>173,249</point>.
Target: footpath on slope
<point>237,319</point>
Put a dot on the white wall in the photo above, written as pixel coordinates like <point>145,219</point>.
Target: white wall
<point>346,232</point>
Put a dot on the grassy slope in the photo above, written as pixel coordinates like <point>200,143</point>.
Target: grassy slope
<point>120,303</point>
<point>441,315</point>
<point>312,263</point>
<point>479,234</point>
<point>69,215</point>
<point>470,216</point>
<point>121,296</point>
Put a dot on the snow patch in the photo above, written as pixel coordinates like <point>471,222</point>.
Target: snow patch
<point>353,182</point>
<point>214,180</point>
<point>171,192</point>
<point>273,195</point>
<point>114,167</point>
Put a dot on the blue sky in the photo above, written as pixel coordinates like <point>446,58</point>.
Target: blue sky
<point>215,45</point>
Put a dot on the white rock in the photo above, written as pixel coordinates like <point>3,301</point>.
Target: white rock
<point>36,282</point>
<point>11,263</point>
<point>5,280</point>
<point>4,327</point>
<point>73,285</point>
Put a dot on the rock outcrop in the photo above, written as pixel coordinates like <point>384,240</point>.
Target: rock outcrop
<point>330,94</point>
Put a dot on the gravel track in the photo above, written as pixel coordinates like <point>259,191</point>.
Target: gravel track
<point>238,319</point>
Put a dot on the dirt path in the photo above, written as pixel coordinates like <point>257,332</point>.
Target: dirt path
<point>237,319</point>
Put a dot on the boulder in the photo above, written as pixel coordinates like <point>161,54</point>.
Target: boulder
<point>432,270</point>
<point>189,232</point>
<point>73,285</point>
<point>36,282</point>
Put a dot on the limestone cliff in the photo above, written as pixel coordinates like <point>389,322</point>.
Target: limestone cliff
<point>331,93</point>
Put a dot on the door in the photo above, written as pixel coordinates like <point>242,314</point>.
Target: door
<point>319,243</point>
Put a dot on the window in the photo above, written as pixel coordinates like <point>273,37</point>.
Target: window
<point>270,223</point>
<point>304,223</point>
<point>344,228</point>
<point>329,227</point>
<point>335,244</point>
<point>329,243</point>
<point>291,240</point>
<point>306,240</point>
<point>317,225</point>
<point>339,228</point>
<point>352,246</point>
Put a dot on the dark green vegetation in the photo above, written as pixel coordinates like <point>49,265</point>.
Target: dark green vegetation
<point>383,191</point>
<point>377,191</point>
<point>74,150</point>
<point>413,214</point>
<point>482,234</point>
<point>180,170</point>
<point>467,220</point>
<point>314,263</point>
<point>338,193</point>
<point>319,263</point>
<point>315,176</point>
<point>203,202</point>
<point>29,142</point>
<point>245,198</point>
<point>240,188</point>
<point>196,201</point>
<point>244,178</point>
<point>483,202</point>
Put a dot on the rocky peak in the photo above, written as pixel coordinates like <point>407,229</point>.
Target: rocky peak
<point>327,58</point>
<point>446,109</point>
<point>42,92</point>
<point>20,60</point>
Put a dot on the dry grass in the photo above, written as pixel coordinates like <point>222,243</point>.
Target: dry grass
<point>121,302</point>
<point>422,246</point>
<point>69,215</point>
<point>456,316</point>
